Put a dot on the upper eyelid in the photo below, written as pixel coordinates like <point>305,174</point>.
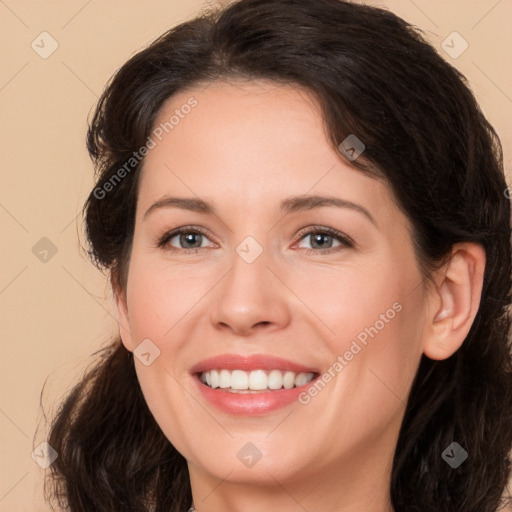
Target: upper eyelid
<point>308,230</point>
<point>172,233</point>
<point>324,229</point>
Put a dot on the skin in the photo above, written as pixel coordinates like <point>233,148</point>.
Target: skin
<point>245,148</point>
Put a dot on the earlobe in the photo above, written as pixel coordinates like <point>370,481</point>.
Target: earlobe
<point>455,300</point>
<point>123,319</point>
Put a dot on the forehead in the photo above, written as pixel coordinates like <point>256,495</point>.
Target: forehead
<point>248,141</point>
<point>242,117</point>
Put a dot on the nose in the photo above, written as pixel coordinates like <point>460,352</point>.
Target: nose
<point>250,298</point>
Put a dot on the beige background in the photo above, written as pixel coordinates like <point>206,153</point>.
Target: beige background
<point>55,314</point>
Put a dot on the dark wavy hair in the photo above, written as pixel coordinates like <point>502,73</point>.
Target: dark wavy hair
<point>373,75</point>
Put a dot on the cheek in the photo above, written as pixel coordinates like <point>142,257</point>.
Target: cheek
<point>354,301</point>
<point>371,316</point>
<point>165,400</point>
<point>160,297</point>
<point>384,346</point>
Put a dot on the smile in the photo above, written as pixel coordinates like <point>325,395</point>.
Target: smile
<point>251,385</point>
<point>240,381</point>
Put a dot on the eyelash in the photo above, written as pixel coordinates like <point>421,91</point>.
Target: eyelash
<point>346,241</point>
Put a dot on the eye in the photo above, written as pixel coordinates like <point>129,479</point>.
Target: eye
<point>189,239</point>
<point>322,238</point>
<point>192,240</point>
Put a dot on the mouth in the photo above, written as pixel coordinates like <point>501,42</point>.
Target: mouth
<point>251,385</point>
<point>255,381</point>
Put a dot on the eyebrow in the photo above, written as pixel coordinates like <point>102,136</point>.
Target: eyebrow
<point>289,205</point>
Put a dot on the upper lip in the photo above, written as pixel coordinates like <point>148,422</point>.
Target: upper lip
<point>248,363</point>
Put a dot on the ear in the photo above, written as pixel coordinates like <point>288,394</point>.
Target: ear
<point>454,300</point>
<point>123,318</point>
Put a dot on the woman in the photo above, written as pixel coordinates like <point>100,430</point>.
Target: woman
<point>336,335</point>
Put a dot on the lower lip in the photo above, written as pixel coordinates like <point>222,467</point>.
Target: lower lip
<point>250,404</point>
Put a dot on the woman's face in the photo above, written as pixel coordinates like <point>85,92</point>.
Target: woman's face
<point>262,272</point>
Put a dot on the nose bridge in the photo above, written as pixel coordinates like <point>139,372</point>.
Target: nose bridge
<point>247,283</point>
<point>249,295</point>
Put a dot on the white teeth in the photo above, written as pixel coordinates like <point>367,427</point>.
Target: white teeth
<point>225,379</point>
<point>275,379</point>
<point>289,380</point>
<point>256,380</point>
<point>302,379</point>
<point>214,375</point>
<point>239,380</point>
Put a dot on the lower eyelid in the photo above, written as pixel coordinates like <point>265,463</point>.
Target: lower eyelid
<point>167,239</point>
<point>337,235</point>
<point>344,240</point>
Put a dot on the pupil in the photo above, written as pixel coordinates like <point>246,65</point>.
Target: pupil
<point>189,238</point>
<point>319,237</point>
